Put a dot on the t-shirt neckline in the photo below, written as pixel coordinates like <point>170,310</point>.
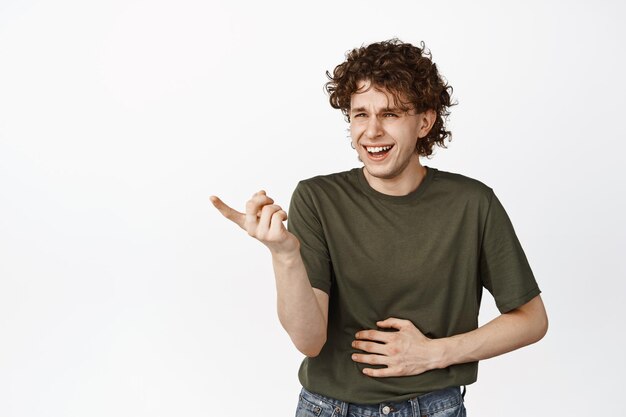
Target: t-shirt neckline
<point>412,196</point>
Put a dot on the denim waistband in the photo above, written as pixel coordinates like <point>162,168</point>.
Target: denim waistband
<point>425,404</point>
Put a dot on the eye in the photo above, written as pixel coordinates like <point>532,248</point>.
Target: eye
<point>360,115</point>
<point>390,115</point>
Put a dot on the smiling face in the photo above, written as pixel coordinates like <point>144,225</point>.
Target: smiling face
<point>385,136</point>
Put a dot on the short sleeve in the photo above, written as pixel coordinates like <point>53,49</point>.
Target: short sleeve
<point>305,224</point>
<point>504,268</point>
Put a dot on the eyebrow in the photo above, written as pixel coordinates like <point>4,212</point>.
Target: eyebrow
<point>385,110</point>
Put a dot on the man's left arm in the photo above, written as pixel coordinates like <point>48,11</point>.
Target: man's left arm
<point>408,352</point>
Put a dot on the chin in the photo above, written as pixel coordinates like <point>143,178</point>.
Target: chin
<point>383,174</point>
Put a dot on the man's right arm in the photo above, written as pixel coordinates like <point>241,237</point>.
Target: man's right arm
<point>302,309</point>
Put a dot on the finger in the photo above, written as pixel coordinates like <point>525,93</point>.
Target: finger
<point>253,208</point>
<point>263,197</point>
<point>276,224</point>
<point>228,212</point>
<point>369,347</point>
<point>375,335</point>
<point>267,212</point>
<point>382,372</point>
<point>393,323</point>
<point>257,201</point>
<point>369,359</point>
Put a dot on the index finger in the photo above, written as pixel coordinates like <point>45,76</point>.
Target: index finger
<point>228,212</point>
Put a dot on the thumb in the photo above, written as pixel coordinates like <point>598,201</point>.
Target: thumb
<point>392,323</point>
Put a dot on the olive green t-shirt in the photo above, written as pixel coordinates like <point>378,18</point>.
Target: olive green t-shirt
<point>424,257</point>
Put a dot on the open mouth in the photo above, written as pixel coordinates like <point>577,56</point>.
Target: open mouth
<point>378,152</point>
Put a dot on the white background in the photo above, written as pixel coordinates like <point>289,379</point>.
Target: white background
<point>123,293</point>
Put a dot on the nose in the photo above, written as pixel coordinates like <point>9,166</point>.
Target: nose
<point>374,128</point>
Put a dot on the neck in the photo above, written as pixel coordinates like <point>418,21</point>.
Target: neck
<point>399,185</point>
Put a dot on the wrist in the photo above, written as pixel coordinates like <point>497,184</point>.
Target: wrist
<point>445,349</point>
<point>286,256</point>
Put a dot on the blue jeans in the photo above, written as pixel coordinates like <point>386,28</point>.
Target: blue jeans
<point>447,402</point>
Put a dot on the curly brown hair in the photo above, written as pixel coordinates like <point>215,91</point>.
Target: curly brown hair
<point>407,72</point>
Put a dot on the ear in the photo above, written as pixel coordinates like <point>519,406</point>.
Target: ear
<point>427,120</point>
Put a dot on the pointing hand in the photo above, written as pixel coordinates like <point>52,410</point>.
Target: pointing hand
<point>263,220</point>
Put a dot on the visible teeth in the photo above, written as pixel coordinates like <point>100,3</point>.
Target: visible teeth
<point>372,149</point>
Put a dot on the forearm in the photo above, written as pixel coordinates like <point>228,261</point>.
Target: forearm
<point>299,309</point>
<point>302,311</point>
<point>507,332</point>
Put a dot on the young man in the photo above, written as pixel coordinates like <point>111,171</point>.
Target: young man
<point>380,274</point>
